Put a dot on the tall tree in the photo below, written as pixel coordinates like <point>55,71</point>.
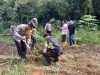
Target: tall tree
<point>96,6</point>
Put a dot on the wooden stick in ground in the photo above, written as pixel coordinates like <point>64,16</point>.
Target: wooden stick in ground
<point>28,47</point>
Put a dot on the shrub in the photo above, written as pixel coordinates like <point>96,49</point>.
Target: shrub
<point>89,22</point>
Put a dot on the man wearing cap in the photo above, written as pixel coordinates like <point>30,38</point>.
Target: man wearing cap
<point>53,49</point>
<point>20,37</point>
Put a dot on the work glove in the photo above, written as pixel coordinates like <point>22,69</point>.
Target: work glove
<point>44,51</point>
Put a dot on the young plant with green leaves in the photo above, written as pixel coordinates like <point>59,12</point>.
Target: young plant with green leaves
<point>89,22</point>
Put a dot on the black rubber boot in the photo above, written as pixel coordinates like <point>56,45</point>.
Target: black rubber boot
<point>55,60</point>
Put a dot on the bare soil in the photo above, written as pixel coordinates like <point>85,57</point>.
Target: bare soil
<point>76,60</point>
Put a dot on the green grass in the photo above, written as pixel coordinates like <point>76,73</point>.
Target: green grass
<point>11,67</point>
<point>16,70</point>
<point>7,40</point>
<point>88,37</point>
<point>82,36</point>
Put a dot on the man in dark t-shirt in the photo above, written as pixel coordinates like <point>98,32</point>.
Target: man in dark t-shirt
<point>71,28</point>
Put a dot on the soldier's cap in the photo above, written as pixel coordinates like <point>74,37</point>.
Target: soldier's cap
<point>32,24</point>
<point>46,34</point>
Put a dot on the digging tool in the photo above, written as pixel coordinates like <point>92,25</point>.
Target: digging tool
<point>32,57</point>
<point>28,47</point>
<point>45,49</point>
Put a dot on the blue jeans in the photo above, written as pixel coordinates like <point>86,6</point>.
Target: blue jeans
<point>71,40</point>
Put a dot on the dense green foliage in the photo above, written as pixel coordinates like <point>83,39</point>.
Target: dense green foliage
<point>82,36</point>
<point>21,11</point>
<point>89,22</point>
<point>86,14</point>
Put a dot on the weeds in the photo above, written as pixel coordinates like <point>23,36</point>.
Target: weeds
<point>15,67</point>
<point>88,37</point>
<point>6,40</point>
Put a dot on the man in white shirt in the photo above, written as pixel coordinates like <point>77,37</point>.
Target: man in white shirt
<point>48,28</point>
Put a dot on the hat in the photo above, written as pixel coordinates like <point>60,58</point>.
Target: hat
<point>35,19</point>
<point>33,23</point>
<point>46,34</point>
<point>71,22</point>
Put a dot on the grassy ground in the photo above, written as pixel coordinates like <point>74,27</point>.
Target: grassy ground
<point>81,59</point>
<point>77,60</point>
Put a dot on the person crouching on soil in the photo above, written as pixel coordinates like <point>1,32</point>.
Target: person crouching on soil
<point>53,49</point>
<point>20,35</point>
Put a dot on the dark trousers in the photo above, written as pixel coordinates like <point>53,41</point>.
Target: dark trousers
<point>71,40</point>
<point>63,38</point>
<point>21,48</point>
<point>33,43</point>
<point>48,32</point>
<point>50,53</point>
